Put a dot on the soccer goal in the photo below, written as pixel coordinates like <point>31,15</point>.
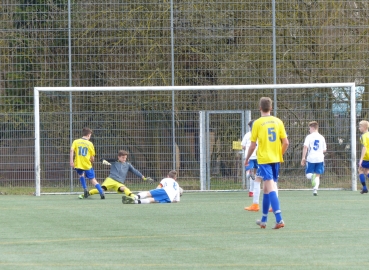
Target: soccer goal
<point>184,128</point>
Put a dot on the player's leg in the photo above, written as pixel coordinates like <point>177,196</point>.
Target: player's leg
<point>82,179</point>
<point>254,165</point>
<point>143,195</point>
<point>247,172</point>
<point>311,175</point>
<point>274,200</point>
<point>145,201</point>
<point>256,195</point>
<point>318,171</point>
<point>156,195</point>
<point>90,174</point>
<point>106,185</point>
<point>122,188</point>
<point>363,170</point>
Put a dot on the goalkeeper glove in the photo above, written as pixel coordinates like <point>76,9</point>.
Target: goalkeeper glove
<point>148,179</point>
<point>105,162</point>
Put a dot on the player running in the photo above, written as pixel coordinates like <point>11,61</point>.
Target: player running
<point>315,147</point>
<point>84,152</point>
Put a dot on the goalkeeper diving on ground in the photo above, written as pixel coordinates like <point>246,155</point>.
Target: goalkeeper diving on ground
<point>118,173</point>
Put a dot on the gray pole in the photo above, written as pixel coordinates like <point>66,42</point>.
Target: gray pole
<point>70,84</point>
<point>274,59</point>
<point>173,83</point>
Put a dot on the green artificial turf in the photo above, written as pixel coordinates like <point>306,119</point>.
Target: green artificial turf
<point>203,231</point>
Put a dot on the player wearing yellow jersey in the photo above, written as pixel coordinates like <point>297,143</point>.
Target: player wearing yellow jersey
<point>364,157</point>
<point>272,140</point>
<point>82,154</point>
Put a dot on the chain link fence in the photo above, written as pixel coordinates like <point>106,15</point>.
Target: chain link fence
<point>155,43</point>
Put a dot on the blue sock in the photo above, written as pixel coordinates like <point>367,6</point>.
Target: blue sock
<point>83,182</point>
<point>362,180</point>
<point>98,187</point>
<point>266,203</point>
<point>275,205</point>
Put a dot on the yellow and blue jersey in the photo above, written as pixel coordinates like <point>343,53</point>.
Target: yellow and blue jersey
<point>364,139</point>
<point>268,132</point>
<point>83,151</point>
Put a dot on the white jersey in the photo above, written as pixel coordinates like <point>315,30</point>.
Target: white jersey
<point>171,187</point>
<point>246,142</point>
<point>316,145</point>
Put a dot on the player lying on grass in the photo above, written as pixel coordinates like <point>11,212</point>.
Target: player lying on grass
<point>168,191</point>
<point>118,173</point>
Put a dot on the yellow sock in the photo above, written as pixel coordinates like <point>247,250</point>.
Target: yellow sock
<point>127,191</point>
<point>93,191</point>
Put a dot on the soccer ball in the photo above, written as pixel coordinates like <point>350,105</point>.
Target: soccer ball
<point>180,191</point>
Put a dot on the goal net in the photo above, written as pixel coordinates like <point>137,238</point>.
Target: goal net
<point>193,129</point>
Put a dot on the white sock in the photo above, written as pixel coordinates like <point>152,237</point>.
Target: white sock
<point>276,188</point>
<point>251,185</point>
<point>142,195</point>
<point>144,201</point>
<point>317,182</point>
<point>247,179</point>
<point>256,197</point>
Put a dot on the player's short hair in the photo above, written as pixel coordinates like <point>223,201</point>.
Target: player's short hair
<point>172,174</point>
<point>364,123</point>
<point>314,124</point>
<point>86,131</point>
<point>265,104</point>
<point>122,153</point>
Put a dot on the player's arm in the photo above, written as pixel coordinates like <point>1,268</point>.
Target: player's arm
<point>303,158</point>
<point>363,151</point>
<point>249,153</point>
<point>109,160</point>
<point>138,174</point>
<point>71,157</point>
<point>285,144</point>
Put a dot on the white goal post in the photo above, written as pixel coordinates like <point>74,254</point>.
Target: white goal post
<point>352,103</point>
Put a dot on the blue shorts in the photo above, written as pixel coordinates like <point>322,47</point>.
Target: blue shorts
<point>317,168</point>
<point>160,195</point>
<point>365,164</point>
<point>253,164</point>
<point>268,171</point>
<point>90,174</point>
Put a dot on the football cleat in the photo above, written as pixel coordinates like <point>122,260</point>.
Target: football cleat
<point>251,194</point>
<point>85,194</point>
<point>102,197</point>
<point>279,225</point>
<point>253,207</point>
<point>81,196</point>
<point>363,191</point>
<point>127,200</point>
<point>315,192</point>
<point>261,224</point>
